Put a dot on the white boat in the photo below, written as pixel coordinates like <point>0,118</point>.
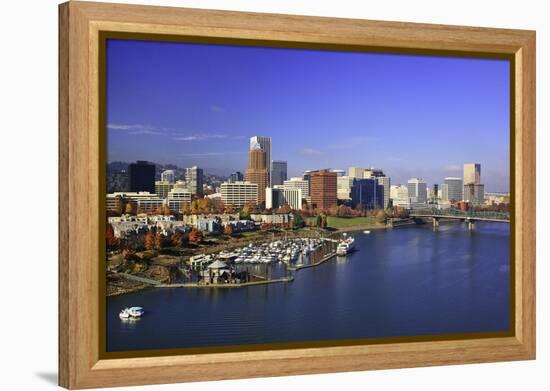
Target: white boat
<point>366,232</point>
<point>132,312</point>
<point>345,246</point>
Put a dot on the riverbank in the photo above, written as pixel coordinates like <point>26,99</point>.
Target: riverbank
<point>152,266</point>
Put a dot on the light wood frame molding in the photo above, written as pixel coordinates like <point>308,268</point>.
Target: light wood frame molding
<point>80,365</point>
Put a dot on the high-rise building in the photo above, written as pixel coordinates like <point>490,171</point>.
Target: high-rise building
<point>278,172</point>
<point>382,180</point>
<point>475,194</point>
<point>293,198</point>
<point>417,191</point>
<point>343,185</point>
<point>162,188</point>
<point>472,173</point>
<point>239,193</point>
<point>168,176</point>
<point>265,144</point>
<point>257,170</point>
<point>236,176</point>
<point>194,178</point>
<point>339,173</point>
<point>399,195</point>
<point>141,176</point>
<point>323,189</point>
<point>367,193</point>
<point>454,189</point>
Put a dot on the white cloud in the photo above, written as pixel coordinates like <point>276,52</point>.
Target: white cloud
<point>310,152</point>
<point>136,129</point>
<point>198,137</point>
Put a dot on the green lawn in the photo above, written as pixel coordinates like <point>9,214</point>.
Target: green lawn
<point>343,222</point>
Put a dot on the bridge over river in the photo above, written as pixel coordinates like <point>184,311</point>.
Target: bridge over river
<point>470,217</point>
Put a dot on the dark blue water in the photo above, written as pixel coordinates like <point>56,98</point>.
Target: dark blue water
<point>407,281</point>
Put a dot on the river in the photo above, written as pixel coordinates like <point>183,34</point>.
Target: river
<point>406,281</point>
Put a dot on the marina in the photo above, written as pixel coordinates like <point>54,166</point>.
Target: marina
<point>259,263</point>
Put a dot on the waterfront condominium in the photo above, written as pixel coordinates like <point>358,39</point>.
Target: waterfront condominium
<point>278,172</point>
<point>323,189</point>
<point>257,170</point>
<point>194,179</point>
<point>239,193</point>
<point>141,176</point>
<point>265,144</point>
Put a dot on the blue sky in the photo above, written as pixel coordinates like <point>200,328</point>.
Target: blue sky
<point>413,116</point>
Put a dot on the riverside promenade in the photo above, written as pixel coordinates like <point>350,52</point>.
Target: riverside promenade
<point>226,285</point>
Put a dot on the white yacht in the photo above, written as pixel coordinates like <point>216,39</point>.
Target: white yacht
<point>132,312</point>
<point>345,246</point>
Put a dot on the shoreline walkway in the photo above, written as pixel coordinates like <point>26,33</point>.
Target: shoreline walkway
<point>239,285</point>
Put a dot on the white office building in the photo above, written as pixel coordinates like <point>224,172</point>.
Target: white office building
<point>293,198</point>
<point>162,188</point>
<point>239,193</point>
<point>417,189</point>
<point>343,187</point>
<point>399,195</point>
<point>298,183</point>
<point>113,199</point>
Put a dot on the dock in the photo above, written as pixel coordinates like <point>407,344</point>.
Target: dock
<point>323,260</point>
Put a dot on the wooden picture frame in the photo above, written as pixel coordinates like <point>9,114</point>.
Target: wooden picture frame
<point>80,154</point>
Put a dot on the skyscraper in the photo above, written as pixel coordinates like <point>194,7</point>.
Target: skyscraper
<point>278,172</point>
<point>141,176</point>
<point>454,189</point>
<point>265,144</point>
<point>323,189</point>
<point>257,170</point>
<point>472,173</point>
<point>194,179</point>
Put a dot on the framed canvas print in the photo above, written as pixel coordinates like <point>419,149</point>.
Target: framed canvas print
<point>247,195</point>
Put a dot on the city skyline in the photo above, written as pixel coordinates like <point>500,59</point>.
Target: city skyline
<point>161,111</point>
